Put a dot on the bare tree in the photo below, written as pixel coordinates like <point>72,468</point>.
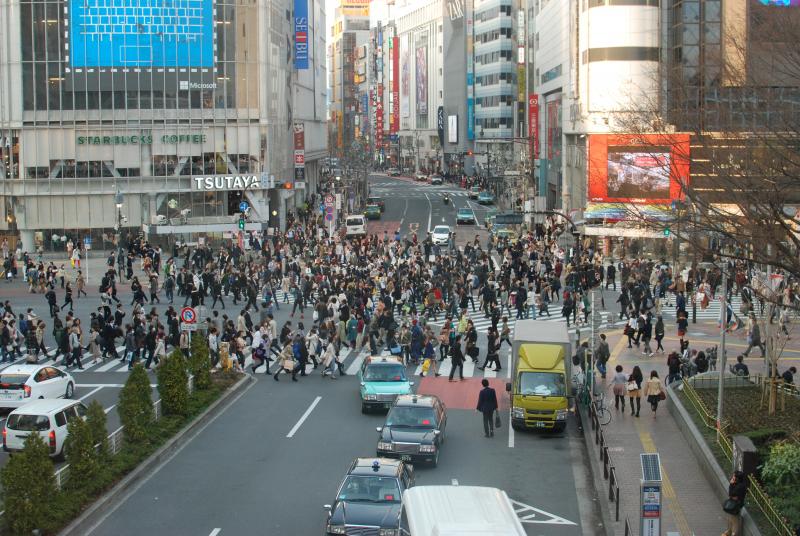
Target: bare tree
<point>741,200</point>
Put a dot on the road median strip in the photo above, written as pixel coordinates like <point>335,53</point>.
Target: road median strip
<point>108,502</point>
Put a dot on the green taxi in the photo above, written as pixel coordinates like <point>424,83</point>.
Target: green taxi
<point>373,212</point>
<point>381,379</point>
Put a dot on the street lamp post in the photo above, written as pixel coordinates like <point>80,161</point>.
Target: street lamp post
<point>118,200</point>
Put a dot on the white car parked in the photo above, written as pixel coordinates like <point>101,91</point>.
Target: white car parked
<point>440,235</point>
<point>48,418</point>
<point>19,384</point>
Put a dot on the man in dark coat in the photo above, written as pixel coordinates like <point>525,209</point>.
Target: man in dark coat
<point>487,405</point>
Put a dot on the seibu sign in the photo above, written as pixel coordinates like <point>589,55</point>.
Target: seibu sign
<point>227,182</point>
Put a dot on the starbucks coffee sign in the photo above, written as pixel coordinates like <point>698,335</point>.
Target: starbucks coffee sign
<point>227,182</point>
<point>145,139</point>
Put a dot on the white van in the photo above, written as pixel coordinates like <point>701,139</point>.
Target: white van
<point>355,225</point>
<point>458,511</point>
<point>48,418</point>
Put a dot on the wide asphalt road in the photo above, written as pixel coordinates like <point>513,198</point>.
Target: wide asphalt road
<point>271,460</point>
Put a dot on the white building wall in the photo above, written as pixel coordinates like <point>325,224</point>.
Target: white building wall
<point>416,20</point>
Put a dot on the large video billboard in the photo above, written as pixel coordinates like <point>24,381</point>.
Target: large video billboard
<point>650,168</point>
<point>153,39</point>
<point>422,77</point>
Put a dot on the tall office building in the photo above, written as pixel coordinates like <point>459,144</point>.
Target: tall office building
<point>347,75</point>
<point>159,118</point>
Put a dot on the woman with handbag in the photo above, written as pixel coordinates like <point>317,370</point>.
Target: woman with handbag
<point>286,361</point>
<point>618,384</point>
<point>654,392</point>
<point>737,490</point>
<point>634,389</point>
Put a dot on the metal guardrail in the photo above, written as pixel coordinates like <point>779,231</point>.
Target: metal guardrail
<point>757,496</point>
<point>609,469</point>
<point>628,528</point>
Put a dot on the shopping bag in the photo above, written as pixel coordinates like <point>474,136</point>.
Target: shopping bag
<point>426,365</point>
<point>497,422</point>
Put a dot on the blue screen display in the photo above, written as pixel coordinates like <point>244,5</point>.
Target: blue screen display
<point>141,33</point>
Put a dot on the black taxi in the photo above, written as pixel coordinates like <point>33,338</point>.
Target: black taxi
<point>414,429</point>
<point>369,498</point>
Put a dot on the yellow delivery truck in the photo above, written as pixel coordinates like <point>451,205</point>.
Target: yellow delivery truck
<point>541,375</point>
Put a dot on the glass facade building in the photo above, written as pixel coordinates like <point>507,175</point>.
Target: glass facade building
<point>179,109</point>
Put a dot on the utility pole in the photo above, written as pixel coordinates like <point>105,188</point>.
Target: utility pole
<point>723,325</point>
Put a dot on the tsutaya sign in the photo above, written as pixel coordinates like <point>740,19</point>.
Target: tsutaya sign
<point>227,182</point>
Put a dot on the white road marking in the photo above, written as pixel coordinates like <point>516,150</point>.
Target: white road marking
<point>430,212</point>
<point>215,532</point>
<point>352,370</point>
<point>305,415</point>
<point>90,393</point>
<point>454,482</point>
<point>527,514</point>
<point>107,385</point>
<point>109,408</point>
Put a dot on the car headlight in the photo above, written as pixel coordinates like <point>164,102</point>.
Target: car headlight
<point>384,445</point>
<point>427,448</point>
<point>370,397</point>
<point>389,532</point>
<point>561,414</point>
<point>517,413</point>
<point>336,529</point>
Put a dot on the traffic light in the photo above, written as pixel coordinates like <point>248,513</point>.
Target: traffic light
<point>241,221</point>
<point>469,153</point>
<point>288,185</point>
<point>666,231</point>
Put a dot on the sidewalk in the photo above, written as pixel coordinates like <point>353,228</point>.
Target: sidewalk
<point>689,504</point>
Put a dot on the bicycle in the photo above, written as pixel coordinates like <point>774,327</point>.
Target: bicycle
<point>600,409</point>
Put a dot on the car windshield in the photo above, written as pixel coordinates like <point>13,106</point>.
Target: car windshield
<point>370,489</point>
<point>354,221</point>
<point>12,380</point>
<point>385,373</point>
<point>465,211</point>
<point>411,417</point>
<point>28,423</point>
<point>373,200</point>
<point>441,230</point>
<point>542,384</point>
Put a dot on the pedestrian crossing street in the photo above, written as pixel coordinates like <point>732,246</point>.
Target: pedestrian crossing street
<point>709,313</point>
<point>430,192</point>
<point>482,323</point>
<point>353,359</point>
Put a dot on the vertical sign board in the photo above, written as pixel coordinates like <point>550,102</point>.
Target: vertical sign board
<point>300,34</point>
<point>299,152</point>
<point>651,509</point>
<point>452,129</point>
<point>379,117</point>
<point>470,71</point>
<point>395,126</point>
<point>440,125</point>
<point>533,124</point>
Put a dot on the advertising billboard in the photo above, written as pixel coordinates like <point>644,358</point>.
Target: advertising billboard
<point>107,40</point>
<point>355,8</point>
<point>422,77</point>
<point>630,168</point>
<point>394,126</point>
<point>533,124</point>
<point>301,34</point>
<point>405,76</point>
